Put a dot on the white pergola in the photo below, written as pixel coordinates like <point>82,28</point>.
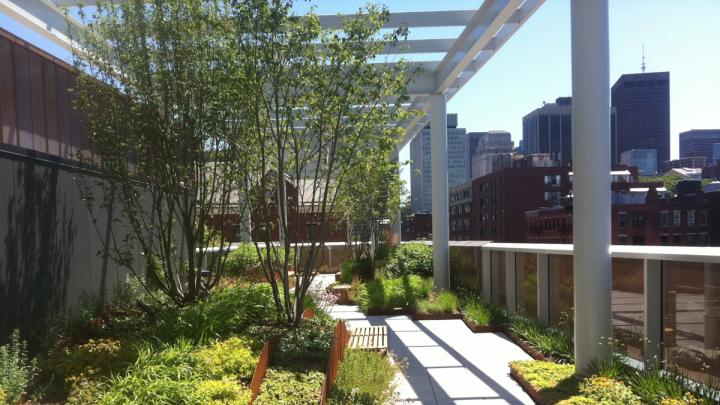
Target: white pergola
<point>483,32</point>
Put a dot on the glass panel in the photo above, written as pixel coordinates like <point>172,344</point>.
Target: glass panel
<point>691,319</point>
<point>628,306</point>
<point>497,278</point>
<point>465,268</point>
<point>526,283</point>
<point>560,274</point>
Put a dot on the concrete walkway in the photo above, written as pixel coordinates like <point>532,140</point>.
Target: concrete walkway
<point>446,363</point>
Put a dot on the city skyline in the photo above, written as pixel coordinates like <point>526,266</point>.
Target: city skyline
<point>534,66</point>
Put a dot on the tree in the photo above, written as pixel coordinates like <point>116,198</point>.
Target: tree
<point>153,87</point>
<point>371,197</point>
<point>317,102</point>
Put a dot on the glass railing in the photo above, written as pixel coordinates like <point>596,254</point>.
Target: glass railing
<point>665,300</point>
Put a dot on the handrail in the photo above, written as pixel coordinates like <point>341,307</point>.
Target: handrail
<point>701,254</point>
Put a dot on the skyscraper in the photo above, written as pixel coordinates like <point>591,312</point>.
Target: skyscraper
<point>641,114</point>
<point>548,129</point>
<point>459,148</point>
<point>488,145</point>
<point>699,143</point>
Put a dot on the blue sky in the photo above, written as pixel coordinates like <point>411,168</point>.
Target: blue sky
<point>682,37</point>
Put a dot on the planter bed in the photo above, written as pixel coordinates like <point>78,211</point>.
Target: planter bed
<point>342,292</point>
<point>425,316</point>
<point>388,312</point>
<point>532,392</point>
<point>534,353</point>
<point>476,328</point>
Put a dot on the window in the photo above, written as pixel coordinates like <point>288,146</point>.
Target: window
<point>691,238</point>
<point>552,195</point>
<point>638,219</point>
<point>691,217</point>
<point>664,219</point>
<point>676,218</point>
<point>702,239</point>
<point>622,219</point>
<point>664,239</point>
<point>312,228</point>
<point>638,240</point>
<point>622,239</point>
<point>552,180</point>
<point>677,239</point>
<point>703,218</point>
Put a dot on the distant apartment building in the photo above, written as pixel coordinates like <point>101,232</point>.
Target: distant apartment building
<point>715,155</point>
<point>548,129</point>
<point>459,148</point>
<point>700,143</point>
<point>489,145</point>
<point>644,159</point>
<point>416,227</point>
<point>640,116</point>
<point>492,207</point>
<point>692,162</point>
<point>640,216</point>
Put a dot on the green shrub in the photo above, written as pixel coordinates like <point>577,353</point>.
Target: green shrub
<point>3,398</point>
<point>363,378</point>
<point>241,259</point>
<point>479,311</point>
<point>291,388</point>
<point>233,357</point>
<point>346,271</point>
<point>224,312</point>
<point>444,303</point>
<point>387,294</point>
<point>383,251</point>
<point>93,359</point>
<point>411,258</point>
<point>16,368</point>
<point>551,342</point>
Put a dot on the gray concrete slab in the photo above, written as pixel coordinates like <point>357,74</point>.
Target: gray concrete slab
<point>445,363</point>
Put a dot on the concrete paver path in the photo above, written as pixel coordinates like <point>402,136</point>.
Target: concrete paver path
<point>446,362</point>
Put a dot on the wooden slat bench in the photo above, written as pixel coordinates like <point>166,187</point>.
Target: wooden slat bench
<point>369,338</point>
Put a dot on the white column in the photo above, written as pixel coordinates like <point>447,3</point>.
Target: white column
<point>543,292</point>
<point>652,327</point>
<point>591,184</point>
<point>439,180</point>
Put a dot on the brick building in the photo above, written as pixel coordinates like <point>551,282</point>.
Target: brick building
<point>417,227</point>
<point>493,207</point>
<point>640,216</point>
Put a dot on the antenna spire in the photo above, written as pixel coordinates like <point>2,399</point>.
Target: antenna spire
<point>642,65</point>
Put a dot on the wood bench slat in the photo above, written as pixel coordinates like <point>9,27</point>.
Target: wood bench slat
<point>374,337</point>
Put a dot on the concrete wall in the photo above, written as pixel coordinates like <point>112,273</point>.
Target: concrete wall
<point>50,250</point>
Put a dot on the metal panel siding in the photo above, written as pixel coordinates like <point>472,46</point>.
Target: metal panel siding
<point>37,100</point>
<point>22,97</point>
<point>74,116</point>
<point>7,94</point>
<point>64,107</point>
<point>51,107</point>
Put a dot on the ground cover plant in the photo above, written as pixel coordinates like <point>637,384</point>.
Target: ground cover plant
<point>364,377</point>
<point>612,382</point>
<point>387,294</point>
<point>444,302</point>
<point>290,387</point>
<point>412,258</point>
